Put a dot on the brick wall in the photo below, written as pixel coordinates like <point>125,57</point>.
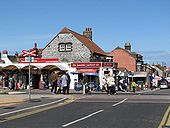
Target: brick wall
<point>124,59</point>
<point>79,51</point>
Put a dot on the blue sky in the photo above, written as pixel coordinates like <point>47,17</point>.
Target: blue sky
<point>143,23</point>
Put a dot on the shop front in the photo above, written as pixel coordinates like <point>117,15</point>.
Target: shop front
<point>20,73</point>
<point>93,72</point>
<point>141,79</point>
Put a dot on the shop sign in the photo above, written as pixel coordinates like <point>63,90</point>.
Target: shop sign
<point>107,64</point>
<point>86,65</point>
<point>92,65</point>
<point>87,70</point>
<point>41,60</point>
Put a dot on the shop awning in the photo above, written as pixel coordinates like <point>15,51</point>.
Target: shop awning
<point>10,68</point>
<point>54,67</point>
<point>90,70</point>
<point>139,74</point>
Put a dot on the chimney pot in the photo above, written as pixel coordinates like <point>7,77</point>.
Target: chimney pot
<point>88,33</point>
<point>128,46</point>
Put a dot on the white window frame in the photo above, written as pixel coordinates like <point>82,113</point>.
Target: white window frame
<point>62,47</point>
<point>68,47</point>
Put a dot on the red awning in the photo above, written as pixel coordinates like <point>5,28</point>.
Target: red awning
<point>85,70</point>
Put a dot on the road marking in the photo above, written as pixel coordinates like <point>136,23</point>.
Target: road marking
<point>35,111</point>
<point>166,119</point>
<point>120,102</point>
<point>73,122</point>
<point>42,105</point>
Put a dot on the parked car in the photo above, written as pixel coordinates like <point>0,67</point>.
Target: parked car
<point>92,85</point>
<point>164,84</point>
<point>89,86</point>
<point>78,86</point>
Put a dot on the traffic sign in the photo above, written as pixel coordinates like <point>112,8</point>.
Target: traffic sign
<point>29,53</point>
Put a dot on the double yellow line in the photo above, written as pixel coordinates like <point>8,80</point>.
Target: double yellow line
<point>166,119</point>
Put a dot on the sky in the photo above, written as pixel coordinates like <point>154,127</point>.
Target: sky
<point>143,23</point>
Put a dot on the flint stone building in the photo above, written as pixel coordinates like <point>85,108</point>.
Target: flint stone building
<point>70,46</point>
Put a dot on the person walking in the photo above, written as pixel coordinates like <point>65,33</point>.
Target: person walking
<point>54,78</point>
<point>64,83</point>
<point>59,82</point>
<point>68,82</point>
<point>111,85</point>
<point>104,84</point>
<point>133,86</point>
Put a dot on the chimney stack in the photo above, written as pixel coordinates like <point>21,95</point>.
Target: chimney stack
<point>128,46</point>
<point>88,33</point>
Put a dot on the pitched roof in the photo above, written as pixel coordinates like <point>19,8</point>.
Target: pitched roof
<point>132,54</point>
<point>13,59</point>
<point>86,41</point>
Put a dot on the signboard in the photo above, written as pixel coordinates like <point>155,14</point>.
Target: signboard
<point>107,64</point>
<point>86,65</point>
<point>29,59</point>
<point>40,60</point>
<point>92,64</point>
<point>29,53</point>
<point>83,70</point>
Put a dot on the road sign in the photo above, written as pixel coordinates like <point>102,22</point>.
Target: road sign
<point>29,59</point>
<point>29,53</point>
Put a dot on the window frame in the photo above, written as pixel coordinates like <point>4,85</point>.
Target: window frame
<point>65,47</point>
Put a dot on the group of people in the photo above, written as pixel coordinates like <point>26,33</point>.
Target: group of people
<point>109,85</point>
<point>60,82</point>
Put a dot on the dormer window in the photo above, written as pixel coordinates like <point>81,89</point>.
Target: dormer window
<point>65,47</point>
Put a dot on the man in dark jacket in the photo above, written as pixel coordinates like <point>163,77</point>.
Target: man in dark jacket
<point>68,82</point>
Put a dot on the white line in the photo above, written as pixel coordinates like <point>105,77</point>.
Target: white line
<point>42,105</point>
<point>119,102</point>
<point>82,118</point>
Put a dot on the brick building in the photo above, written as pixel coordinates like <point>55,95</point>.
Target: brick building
<point>127,59</point>
<point>70,46</point>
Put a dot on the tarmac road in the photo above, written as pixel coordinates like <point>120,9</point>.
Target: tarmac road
<point>100,111</point>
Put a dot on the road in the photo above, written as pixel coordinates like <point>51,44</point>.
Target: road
<point>101,111</point>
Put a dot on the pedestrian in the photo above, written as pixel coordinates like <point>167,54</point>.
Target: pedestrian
<point>59,82</point>
<point>133,86</point>
<point>12,83</point>
<point>86,88</point>
<point>54,78</point>
<point>104,84</point>
<point>64,83</point>
<point>68,82</point>
<point>111,85</point>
